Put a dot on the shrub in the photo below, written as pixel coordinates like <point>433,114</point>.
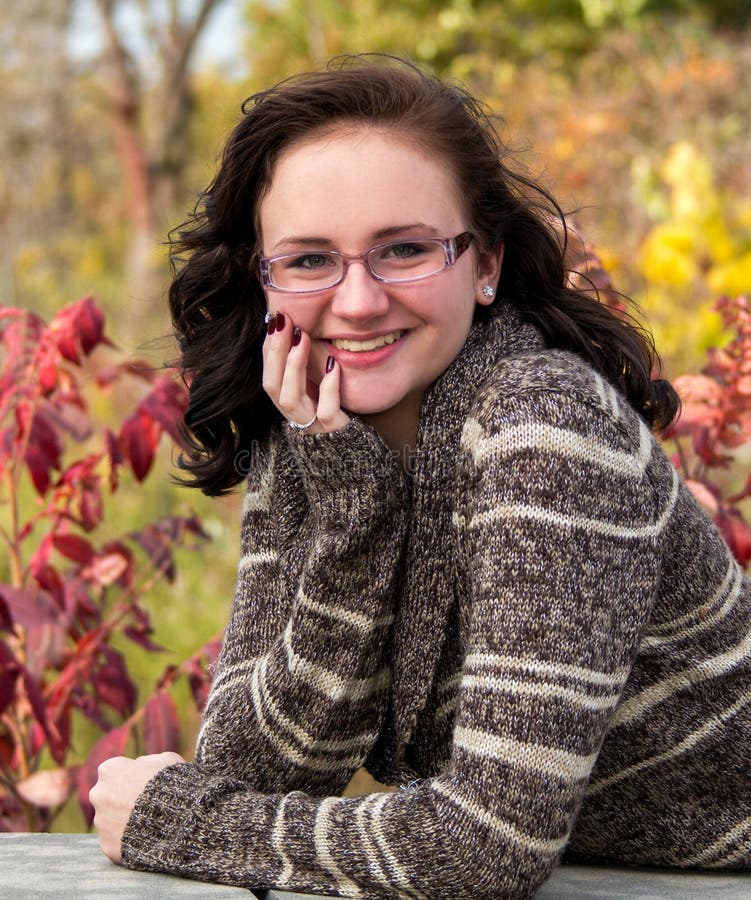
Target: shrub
<point>713,431</point>
<point>70,589</point>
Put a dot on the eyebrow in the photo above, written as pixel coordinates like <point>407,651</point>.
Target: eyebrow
<point>381,234</point>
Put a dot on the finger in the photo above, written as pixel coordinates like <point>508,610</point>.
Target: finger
<point>330,415</point>
<point>275,350</point>
<point>295,401</point>
<point>106,767</point>
<point>160,760</point>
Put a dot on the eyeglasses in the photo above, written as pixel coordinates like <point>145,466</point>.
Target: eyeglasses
<point>394,262</point>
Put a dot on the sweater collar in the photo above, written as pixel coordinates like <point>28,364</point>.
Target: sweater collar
<point>502,332</point>
<point>430,576</point>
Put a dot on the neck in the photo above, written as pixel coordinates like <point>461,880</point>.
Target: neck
<point>398,427</point>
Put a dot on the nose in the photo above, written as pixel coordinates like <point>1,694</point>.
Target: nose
<point>358,295</point>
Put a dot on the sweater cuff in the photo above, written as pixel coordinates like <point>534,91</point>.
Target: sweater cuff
<point>158,836</point>
<point>349,471</point>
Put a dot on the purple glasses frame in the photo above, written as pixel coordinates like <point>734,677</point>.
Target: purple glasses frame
<point>453,248</point>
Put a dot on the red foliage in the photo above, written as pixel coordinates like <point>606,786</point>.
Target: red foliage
<point>715,422</point>
<point>68,593</point>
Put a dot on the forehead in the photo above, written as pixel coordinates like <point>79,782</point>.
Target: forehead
<point>351,183</point>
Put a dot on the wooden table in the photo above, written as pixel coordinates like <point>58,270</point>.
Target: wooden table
<point>71,867</point>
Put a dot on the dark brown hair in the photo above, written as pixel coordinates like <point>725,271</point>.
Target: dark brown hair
<point>217,303</point>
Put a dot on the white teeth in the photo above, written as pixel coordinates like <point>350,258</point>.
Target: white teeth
<point>372,344</point>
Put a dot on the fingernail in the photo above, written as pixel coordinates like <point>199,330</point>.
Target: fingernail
<point>296,336</point>
<point>271,326</point>
<point>279,321</point>
<point>330,363</point>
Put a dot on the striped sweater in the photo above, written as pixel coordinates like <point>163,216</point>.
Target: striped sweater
<point>536,634</point>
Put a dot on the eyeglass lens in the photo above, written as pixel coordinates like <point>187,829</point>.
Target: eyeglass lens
<point>396,261</point>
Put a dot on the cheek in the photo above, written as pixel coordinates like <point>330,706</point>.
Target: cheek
<point>317,363</point>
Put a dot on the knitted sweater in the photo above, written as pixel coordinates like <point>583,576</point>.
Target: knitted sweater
<point>538,635</point>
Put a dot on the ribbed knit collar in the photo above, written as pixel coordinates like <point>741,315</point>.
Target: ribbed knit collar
<point>430,568</point>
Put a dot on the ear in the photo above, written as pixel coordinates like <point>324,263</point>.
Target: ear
<point>488,273</point>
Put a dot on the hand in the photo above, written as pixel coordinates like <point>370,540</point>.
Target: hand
<point>113,797</point>
<point>286,353</point>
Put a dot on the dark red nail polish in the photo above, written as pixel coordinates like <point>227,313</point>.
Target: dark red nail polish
<point>271,327</point>
<point>279,321</point>
<point>296,336</point>
<point>330,363</point>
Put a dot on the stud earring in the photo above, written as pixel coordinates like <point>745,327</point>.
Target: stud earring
<point>488,291</point>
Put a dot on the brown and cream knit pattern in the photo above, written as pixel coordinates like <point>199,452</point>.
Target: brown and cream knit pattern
<point>538,635</point>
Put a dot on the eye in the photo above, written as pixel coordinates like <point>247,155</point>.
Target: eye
<point>310,261</point>
<point>402,250</point>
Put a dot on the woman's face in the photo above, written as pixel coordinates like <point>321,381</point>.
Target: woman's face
<point>347,191</point>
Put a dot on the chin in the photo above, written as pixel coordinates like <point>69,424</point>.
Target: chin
<point>366,409</point>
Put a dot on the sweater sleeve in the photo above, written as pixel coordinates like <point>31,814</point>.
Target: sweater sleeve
<point>300,684</point>
<point>560,529</point>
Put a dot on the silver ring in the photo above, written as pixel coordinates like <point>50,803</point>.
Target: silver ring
<point>268,317</point>
<point>296,426</point>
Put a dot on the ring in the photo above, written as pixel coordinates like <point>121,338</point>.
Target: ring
<point>296,426</point>
<point>268,317</point>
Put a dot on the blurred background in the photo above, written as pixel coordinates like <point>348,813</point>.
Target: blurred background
<point>635,113</point>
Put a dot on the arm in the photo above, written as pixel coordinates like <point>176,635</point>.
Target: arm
<point>560,531</point>
<point>302,668</point>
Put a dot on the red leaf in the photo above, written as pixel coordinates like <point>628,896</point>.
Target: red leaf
<point>68,413</point>
<point>111,744</point>
<point>118,548</point>
<point>78,603</point>
<point>707,494</point>
<point>12,816</point>
<point>199,669</point>
<point>47,369</point>
<point>112,683</point>
<point>78,328</point>
<point>89,707</point>
<point>84,479</point>
<point>138,368</point>
<point>41,556</point>
<point>701,398</point>
<point>107,568</point>
<point>48,788</point>
<point>28,607</point>
<point>90,508</point>
<point>141,634</point>
<point>38,738</point>
<point>45,647</point>
<point>158,546</point>
<point>37,701</point>
<point>6,620</point>
<point>73,547</point>
<point>166,402</point>
<point>44,450</point>
<point>9,669</point>
<point>161,730</point>
<point>50,580</point>
<point>59,713</point>
<point>736,532</point>
<point>139,437</point>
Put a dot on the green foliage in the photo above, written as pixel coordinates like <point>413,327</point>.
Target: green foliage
<point>299,36</point>
<point>719,13</point>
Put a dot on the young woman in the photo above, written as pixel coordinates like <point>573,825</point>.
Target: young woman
<point>466,564</point>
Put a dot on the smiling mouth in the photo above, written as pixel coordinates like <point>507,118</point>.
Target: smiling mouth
<point>372,344</point>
